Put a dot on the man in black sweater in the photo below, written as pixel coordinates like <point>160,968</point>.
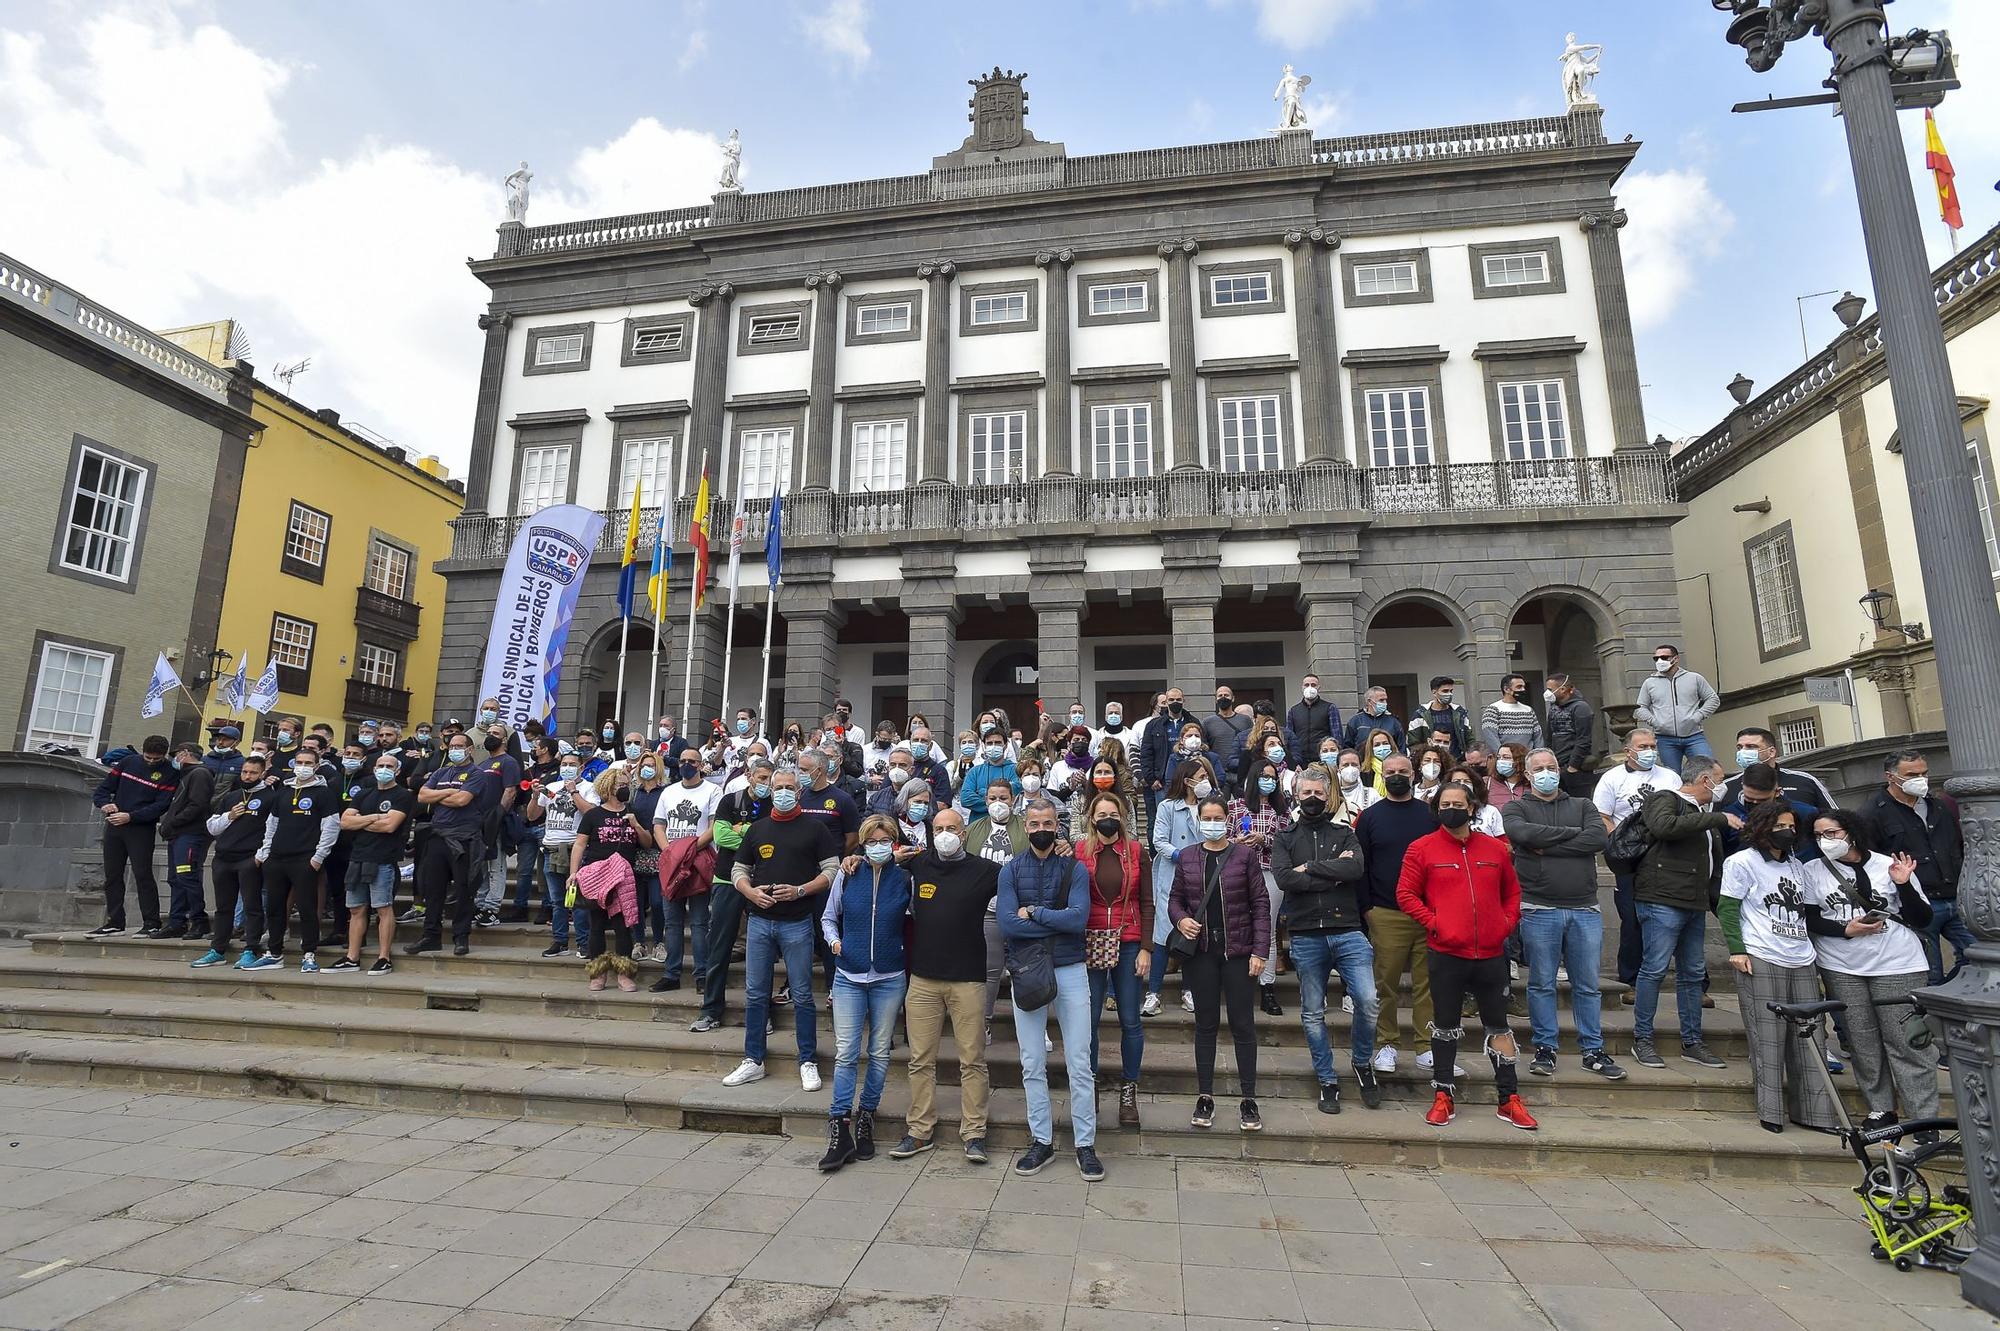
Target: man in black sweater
<point>734,815</point>
<point>132,796</point>
<point>298,836</point>
<point>949,893</point>
<point>1908,817</point>
<point>237,829</point>
<point>1319,868</point>
<point>184,827</point>
<point>1386,829</point>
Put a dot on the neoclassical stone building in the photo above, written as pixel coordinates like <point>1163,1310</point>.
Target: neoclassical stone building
<point>1072,427</point>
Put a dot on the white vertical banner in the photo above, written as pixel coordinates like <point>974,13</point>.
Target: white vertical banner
<point>533,609</point>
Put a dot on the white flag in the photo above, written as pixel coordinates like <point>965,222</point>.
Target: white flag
<point>264,694</point>
<point>163,679</point>
<point>236,689</point>
<point>735,550</point>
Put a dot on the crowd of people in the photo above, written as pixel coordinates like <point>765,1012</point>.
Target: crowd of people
<point>1085,861</point>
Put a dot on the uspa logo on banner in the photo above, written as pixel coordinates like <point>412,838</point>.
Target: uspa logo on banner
<point>557,555</point>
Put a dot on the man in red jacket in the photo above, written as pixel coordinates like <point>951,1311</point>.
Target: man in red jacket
<point>1459,885</point>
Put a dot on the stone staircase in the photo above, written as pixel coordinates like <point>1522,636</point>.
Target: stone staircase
<point>506,1030</point>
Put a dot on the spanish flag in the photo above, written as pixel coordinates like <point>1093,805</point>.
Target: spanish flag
<point>628,571</point>
<point>1938,162</point>
<point>698,538</point>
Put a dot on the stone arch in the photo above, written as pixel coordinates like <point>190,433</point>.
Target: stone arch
<point>1582,636</point>
<point>1017,700</point>
<point>1402,658</point>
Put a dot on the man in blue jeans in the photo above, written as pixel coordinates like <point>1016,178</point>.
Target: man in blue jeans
<point>1045,898</point>
<point>1677,882</point>
<point>1556,840</point>
<point>1317,863</point>
<point>1675,703</point>
<point>783,865</point>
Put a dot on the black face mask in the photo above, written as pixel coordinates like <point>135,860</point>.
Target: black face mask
<point>1312,806</point>
<point>1454,817</point>
<point>1398,785</point>
<point>1107,826</point>
<point>621,793</point>
<point>494,744</point>
<point>1783,839</point>
<point>1225,704</point>
<point>1176,708</point>
<point>689,771</point>
<point>1041,840</point>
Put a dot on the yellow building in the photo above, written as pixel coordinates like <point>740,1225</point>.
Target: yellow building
<point>330,573</point>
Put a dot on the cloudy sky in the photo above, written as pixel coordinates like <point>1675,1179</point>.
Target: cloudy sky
<point>322,171</point>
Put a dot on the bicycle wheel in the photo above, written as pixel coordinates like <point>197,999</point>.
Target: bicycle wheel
<point>1941,1164</point>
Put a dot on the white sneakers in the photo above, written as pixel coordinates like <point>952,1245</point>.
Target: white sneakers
<point>1187,1000</point>
<point>1385,1058</point>
<point>1151,1007</point>
<point>1424,1065</point>
<point>808,1075</point>
<point>1347,1004</point>
<point>748,1071</point>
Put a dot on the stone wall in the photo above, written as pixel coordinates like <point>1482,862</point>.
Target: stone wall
<point>51,864</point>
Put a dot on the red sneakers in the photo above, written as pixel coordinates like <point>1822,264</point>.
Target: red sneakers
<point>1442,1111</point>
<point>1512,1111</point>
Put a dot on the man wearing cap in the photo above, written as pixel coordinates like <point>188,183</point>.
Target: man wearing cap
<point>224,760</point>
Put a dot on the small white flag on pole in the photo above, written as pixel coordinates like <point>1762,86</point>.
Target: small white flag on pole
<point>735,549</point>
<point>264,694</point>
<point>236,689</point>
<point>163,679</point>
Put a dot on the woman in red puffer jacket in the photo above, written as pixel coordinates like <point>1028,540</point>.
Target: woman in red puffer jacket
<point>1222,914</point>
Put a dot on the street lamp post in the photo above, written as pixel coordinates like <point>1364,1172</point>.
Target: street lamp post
<point>1965,619</point>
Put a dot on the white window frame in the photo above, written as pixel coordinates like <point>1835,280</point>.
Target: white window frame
<point>1394,405</point>
<point>1397,277</point>
<point>42,709</point>
<point>1261,412</point>
<point>1113,298</point>
<point>878,456</point>
<point>658,471</point>
<point>388,569</point>
<point>377,665</point>
<point>306,533</point>
<point>107,547</point>
<point>1116,427</point>
<point>1517,268</point>
<point>1985,498</point>
<point>762,456</point>
<point>998,307</point>
<point>884,318</point>
<point>769,330</point>
<point>544,476</point>
<point>300,642</point>
<point>1241,289</point>
<point>659,339</point>
<point>981,445</point>
<point>1777,600</point>
<point>1792,730</point>
<point>1531,431</point>
<point>559,349</point>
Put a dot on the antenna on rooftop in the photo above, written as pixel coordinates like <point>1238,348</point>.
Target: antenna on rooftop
<point>287,373</point>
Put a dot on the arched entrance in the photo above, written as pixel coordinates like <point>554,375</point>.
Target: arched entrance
<point>1560,631</point>
<point>998,681</point>
<point>594,694</point>
<point>1411,639</point>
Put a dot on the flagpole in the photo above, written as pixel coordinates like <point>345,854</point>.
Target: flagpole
<point>729,626</point>
<point>770,617</point>
<point>695,577</point>
<point>653,675</point>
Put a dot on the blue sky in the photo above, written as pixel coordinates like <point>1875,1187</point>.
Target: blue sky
<point>321,171</point>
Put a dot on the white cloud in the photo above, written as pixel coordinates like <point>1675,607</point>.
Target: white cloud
<point>1303,23</point>
<point>840,26</point>
<point>695,45</point>
<point>1326,114</point>
<point>1677,224</point>
<point>357,260</point>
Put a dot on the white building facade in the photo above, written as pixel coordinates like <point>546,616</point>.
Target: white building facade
<point>1071,429</point>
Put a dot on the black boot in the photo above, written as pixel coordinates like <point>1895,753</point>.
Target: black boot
<point>864,1136</point>
<point>839,1144</point>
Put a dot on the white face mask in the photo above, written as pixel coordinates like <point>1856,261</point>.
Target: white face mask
<point>948,844</point>
<point>1202,790</point>
<point>1834,848</point>
<point>1350,776</point>
<point>1432,771</point>
<point>1917,787</point>
<point>1549,696</point>
<point>1030,783</point>
<point>1663,666</point>
<point>1310,692</point>
<point>999,810</point>
<point>898,775</point>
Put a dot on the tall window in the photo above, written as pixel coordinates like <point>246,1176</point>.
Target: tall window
<point>103,516</point>
<point>1240,289</point>
<point>1533,420</point>
<point>376,665</point>
<point>649,460</point>
<point>544,477</point>
<point>767,455</point>
<point>1979,462</point>
<point>305,536</point>
<point>1399,427</point>
<point>1249,430</point>
<point>560,349</point>
<point>1516,270</point>
<point>1384,279</point>
<point>876,320</point>
<point>881,450</point>
<point>1119,298</point>
<point>292,642</point>
<point>1774,591</point>
<point>388,570</point>
<point>1006,307</point>
<point>998,448</point>
<point>1121,440</point>
<point>70,690</point>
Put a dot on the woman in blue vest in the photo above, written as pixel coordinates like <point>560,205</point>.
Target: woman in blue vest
<point>863,926</point>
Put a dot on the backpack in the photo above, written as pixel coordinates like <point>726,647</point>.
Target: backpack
<point>1628,845</point>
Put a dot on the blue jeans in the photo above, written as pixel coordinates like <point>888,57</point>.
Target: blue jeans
<point>563,920</point>
<point>1946,922</point>
<point>680,915</point>
<point>1572,938</point>
<point>1031,1028</point>
<point>1317,957</point>
<point>528,860</point>
<point>187,902</point>
<point>856,1005</point>
<point>1630,946</point>
<point>1673,748</point>
<point>768,941</point>
<point>1123,983</point>
<point>652,906</point>
<point>1670,934</point>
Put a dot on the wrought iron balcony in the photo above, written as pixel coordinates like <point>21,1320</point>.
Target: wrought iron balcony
<point>386,614</point>
<point>1269,497</point>
<point>376,702</point>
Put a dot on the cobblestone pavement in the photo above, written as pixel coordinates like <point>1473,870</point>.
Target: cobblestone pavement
<point>161,1212</point>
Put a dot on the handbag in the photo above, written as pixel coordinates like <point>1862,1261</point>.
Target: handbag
<point>1628,845</point>
<point>1101,946</point>
<point>1031,973</point>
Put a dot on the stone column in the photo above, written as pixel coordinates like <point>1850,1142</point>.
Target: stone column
<point>711,372</point>
<point>486,412</point>
<point>1618,697</point>
<point>812,665</point>
<point>704,703</point>
<point>1328,592</point>
<point>1614,326</point>
<point>819,412</point>
<point>1056,591</point>
<point>1185,443</point>
<point>936,459</point>
<point>1192,586</point>
<point>1319,353</point>
<point>934,665</point>
<point>1058,447</point>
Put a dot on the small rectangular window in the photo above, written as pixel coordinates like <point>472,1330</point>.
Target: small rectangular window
<point>658,341</point>
<point>376,665</point>
<point>388,570</point>
<point>1774,592</point>
<point>1384,279</point>
<point>649,461</point>
<point>1121,440</point>
<point>1516,270</point>
<point>1240,289</point>
<point>559,349</point>
<point>1121,298</point>
<point>880,456</point>
<point>71,688</point>
<point>766,329</point>
<point>292,642</point>
<point>1533,421</point>
<point>544,477</point>
<point>1399,427</point>
<point>1798,735</point>
<point>767,455</point>
<point>876,320</point>
<point>997,443</point>
<point>103,516</point>
<point>1007,307</point>
<point>305,536</point>
<point>1249,434</point>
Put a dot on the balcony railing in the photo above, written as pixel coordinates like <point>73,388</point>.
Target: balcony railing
<point>1637,478</point>
<point>52,299</point>
<point>377,702</point>
<point>390,614</point>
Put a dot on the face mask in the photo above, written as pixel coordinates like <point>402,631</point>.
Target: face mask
<point>1546,782</point>
<point>1646,758</point>
<point>457,756</point>
<point>366,741</point>
<point>1330,758</point>
<point>999,811</point>
<point>1176,708</point>
<point>634,750</point>
<point>784,801</point>
<point>995,752</point>
<point>1113,720</point>
<point>919,812</point>
<point>1213,829</point>
<point>689,771</point>
<point>843,713</point>
<point>424,738</point>
<point>347,765</point>
<point>1267,784</point>
<point>1225,704</point>
<point>585,751</point>
<point>1310,692</point>
<point>569,773</point>
<point>1397,785</point>
<point>1380,709</point>
<point>878,852</point>
<point>488,716</point>
<point>1745,757</point>
<point>1076,718</point>
<point>1663,666</point>
<point>1432,771</point>
<point>387,774</point>
<point>1107,827</point>
<point>1312,806</point>
<point>1917,787</point>
<point>1834,848</point>
<point>1454,817</point>
<point>1549,696</point>
<point>621,793</point>
<point>1192,744</point>
<point>178,764</point>
<point>648,772</point>
<point>1042,840</point>
<point>1382,751</point>
<point>303,773</point>
<point>1444,699</point>
<point>1202,790</point>
<point>1102,782</point>
<point>949,845</point>
<point>1030,784</point>
<point>1505,767</point>
<point>967,750</point>
<point>1350,776</point>
<point>762,790</point>
<point>898,775</point>
<point>1275,752</point>
<point>285,741</point>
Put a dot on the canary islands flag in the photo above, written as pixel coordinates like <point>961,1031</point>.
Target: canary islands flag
<point>628,572</point>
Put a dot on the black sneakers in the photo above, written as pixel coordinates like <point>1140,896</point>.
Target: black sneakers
<point>1544,1064</point>
<point>555,949</point>
<point>1088,1165</point>
<point>1701,1056</point>
<point>345,964</point>
<point>1204,1112</point>
<point>105,931</point>
<point>1329,1098</point>
<point>975,1150</point>
<point>1034,1159</point>
<point>382,966</point>
<point>1248,1118</point>
<point>1599,1062</point>
<point>1646,1056</point>
<point>1371,1089</point>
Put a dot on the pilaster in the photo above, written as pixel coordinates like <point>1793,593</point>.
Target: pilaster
<point>818,473</point>
<point>711,371</point>
<point>1614,325</point>
<point>486,412</point>
<point>812,636</point>
<point>1056,591</point>
<point>1185,449</point>
<point>936,460</point>
<point>1058,452</point>
<point>1192,586</point>
<point>1319,351</point>
<point>930,600</point>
